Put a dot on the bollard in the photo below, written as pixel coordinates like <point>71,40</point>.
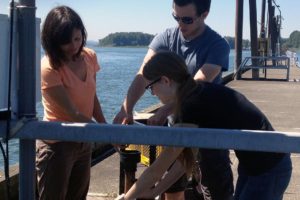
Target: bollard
<point>128,167</point>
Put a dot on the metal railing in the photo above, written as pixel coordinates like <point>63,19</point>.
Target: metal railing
<point>269,141</point>
<point>265,63</point>
<point>272,141</point>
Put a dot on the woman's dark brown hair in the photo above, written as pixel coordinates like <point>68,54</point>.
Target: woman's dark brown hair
<point>57,30</point>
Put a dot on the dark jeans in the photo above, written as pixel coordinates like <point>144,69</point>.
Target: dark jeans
<point>63,170</point>
<point>267,186</point>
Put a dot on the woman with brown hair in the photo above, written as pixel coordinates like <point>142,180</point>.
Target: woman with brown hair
<point>68,83</point>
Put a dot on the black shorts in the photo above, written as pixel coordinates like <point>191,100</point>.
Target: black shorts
<point>179,186</point>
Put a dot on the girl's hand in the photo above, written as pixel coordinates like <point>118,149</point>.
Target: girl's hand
<point>120,197</point>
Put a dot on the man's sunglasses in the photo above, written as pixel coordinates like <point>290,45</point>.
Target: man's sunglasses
<point>185,20</point>
<point>149,86</point>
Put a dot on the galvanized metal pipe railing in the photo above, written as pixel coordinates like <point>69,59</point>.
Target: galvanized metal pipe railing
<point>271,141</point>
<point>151,135</point>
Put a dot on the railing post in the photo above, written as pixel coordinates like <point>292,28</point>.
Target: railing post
<point>26,93</point>
<point>238,35</point>
<point>272,27</point>
<point>129,160</point>
<point>253,31</point>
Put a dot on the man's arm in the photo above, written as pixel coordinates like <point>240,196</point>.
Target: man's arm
<point>216,60</point>
<point>135,91</point>
<point>208,72</point>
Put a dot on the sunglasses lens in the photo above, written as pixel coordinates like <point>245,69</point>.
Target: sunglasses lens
<point>187,20</point>
<point>176,18</point>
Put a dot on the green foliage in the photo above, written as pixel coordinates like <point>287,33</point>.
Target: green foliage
<point>231,42</point>
<point>144,39</point>
<point>246,44</point>
<point>293,42</point>
<point>126,39</point>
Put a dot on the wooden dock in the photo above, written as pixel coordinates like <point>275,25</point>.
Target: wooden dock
<point>279,100</point>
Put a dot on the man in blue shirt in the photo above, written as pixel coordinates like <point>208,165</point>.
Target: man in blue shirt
<point>206,54</point>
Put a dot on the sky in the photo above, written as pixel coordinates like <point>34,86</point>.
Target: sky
<point>102,17</point>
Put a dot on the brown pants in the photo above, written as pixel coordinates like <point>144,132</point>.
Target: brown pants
<point>63,170</point>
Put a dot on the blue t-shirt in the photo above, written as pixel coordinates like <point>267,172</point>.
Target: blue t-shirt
<point>207,48</point>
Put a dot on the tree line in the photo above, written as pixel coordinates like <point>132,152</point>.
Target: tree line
<point>121,39</point>
<point>231,41</point>
<point>144,39</point>
<point>293,42</point>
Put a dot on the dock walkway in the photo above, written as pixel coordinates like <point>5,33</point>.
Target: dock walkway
<point>279,100</point>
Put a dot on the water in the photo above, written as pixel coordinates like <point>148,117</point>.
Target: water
<point>118,68</point>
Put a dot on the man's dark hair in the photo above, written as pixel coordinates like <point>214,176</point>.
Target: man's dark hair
<point>201,5</point>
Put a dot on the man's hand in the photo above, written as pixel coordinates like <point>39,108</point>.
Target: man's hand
<point>123,117</point>
<point>160,116</point>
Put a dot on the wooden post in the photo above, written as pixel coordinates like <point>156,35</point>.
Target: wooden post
<point>152,154</point>
<point>272,27</point>
<point>121,177</point>
<point>128,166</point>
<point>262,20</point>
<point>238,35</point>
<point>253,32</point>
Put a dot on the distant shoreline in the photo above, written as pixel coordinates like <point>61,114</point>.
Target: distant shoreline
<point>98,46</point>
<point>122,46</point>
